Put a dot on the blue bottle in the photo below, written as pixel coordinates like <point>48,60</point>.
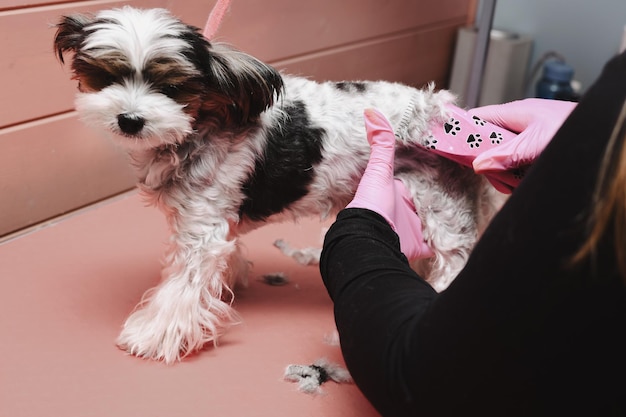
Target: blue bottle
<point>556,82</point>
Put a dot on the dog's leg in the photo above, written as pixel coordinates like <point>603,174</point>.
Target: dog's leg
<point>449,228</point>
<point>191,306</point>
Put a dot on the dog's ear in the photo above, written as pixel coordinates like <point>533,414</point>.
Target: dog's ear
<point>70,34</point>
<point>246,85</point>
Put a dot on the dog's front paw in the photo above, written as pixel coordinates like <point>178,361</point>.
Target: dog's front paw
<point>170,331</point>
<point>149,337</point>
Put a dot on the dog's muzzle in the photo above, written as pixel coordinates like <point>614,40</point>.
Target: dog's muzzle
<point>130,124</point>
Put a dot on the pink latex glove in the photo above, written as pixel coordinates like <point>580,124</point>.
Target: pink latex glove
<point>536,120</point>
<point>379,191</point>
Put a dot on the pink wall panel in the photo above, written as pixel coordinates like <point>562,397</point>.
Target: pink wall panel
<point>279,29</point>
<point>392,58</point>
<point>50,167</point>
<point>15,4</point>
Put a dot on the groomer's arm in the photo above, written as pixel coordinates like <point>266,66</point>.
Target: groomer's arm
<point>377,296</point>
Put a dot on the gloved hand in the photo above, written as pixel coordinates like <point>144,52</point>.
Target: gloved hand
<point>536,120</point>
<point>379,191</point>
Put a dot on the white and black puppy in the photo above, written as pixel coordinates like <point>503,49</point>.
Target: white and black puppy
<point>223,143</point>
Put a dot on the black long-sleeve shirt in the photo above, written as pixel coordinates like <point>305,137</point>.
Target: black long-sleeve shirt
<point>520,331</point>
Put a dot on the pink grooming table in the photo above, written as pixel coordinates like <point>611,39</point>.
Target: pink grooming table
<point>66,289</point>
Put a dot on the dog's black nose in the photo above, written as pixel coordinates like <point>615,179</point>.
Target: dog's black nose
<point>130,124</point>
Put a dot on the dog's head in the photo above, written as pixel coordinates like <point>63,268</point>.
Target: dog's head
<point>152,79</point>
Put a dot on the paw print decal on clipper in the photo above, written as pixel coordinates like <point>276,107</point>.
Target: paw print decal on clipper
<point>473,140</point>
<point>496,138</point>
<point>452,127</point>
<point>478,121</point>
<point>430,142</point>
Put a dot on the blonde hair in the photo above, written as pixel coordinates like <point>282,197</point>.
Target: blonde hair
<point>610,198</point>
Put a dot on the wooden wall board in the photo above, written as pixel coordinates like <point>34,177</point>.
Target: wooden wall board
<point>51,167</point>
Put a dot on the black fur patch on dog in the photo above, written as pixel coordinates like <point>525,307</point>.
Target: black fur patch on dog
<point>351,86</point>
<point>283,174</point>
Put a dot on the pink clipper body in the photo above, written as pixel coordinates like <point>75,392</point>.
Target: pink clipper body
<point>462,137</point>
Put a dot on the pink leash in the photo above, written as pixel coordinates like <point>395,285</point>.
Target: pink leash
<point>215,18</point>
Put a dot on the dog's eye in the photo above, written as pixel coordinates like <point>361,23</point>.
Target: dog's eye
<point>100,79</point>
<point>170,90</point>
<point>95,77</point>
